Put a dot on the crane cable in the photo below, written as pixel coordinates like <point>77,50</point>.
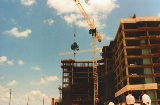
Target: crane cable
<point>74,46</point>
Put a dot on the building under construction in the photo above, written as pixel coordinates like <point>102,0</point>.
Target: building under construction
<point>77,83</point>
<point>130,62</point>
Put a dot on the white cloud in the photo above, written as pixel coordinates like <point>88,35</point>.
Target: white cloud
<point>37,95</point>
<point>3,59</point>
<point>28,2</point>
<point>62,6</point>
<point>41,82</point>
<point>49,21</point>
<point>14,31</point>
<point>44,81</point>
<point>106,37</point>
<point>34,97</point>
<point>70,18</point>
<point>36,68</point>
<point>12,83</point>
<point>82,23</point>
<point>20,62</point>
<point>10,62</point>
<point>52,78</point>
<point>109,38</point>
<point>3,89</point>
<point>95,9</point>
<point>158,14</point>
<point>4,94</point>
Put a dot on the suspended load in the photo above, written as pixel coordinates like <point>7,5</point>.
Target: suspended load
<point>75,46</point>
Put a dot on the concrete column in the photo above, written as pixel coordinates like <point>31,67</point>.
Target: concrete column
<point>151,93</point>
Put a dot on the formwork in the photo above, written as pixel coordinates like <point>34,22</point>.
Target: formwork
<point>136,58</point>
<point>78,84</point>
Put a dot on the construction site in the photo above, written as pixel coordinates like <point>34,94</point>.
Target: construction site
<point>130,62</point>
<point>110,52</point>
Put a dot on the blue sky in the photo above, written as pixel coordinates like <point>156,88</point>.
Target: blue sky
<point>34,32</point>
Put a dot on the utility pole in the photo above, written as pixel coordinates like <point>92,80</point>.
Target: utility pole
<point>10,96</point>
<point>28,100</point>
<point>43,100</point>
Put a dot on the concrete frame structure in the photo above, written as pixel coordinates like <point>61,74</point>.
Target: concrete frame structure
<point>78,82</point>
<point>130,62</point>
<point>136,58</point>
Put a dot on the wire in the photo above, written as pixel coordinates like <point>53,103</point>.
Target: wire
<point>74,27</point>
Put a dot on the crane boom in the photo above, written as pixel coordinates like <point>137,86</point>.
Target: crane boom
<point>84,14</point>
<point>91,25</point>
<point>78,52</point>
<point>95,36</point>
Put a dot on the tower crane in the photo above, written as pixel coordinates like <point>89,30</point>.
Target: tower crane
<point>95,36</point>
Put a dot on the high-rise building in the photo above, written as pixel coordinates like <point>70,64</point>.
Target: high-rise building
<point>130,62</point>
<point>136,58</point>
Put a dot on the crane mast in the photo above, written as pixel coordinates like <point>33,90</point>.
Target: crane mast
<point>95,36</point>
